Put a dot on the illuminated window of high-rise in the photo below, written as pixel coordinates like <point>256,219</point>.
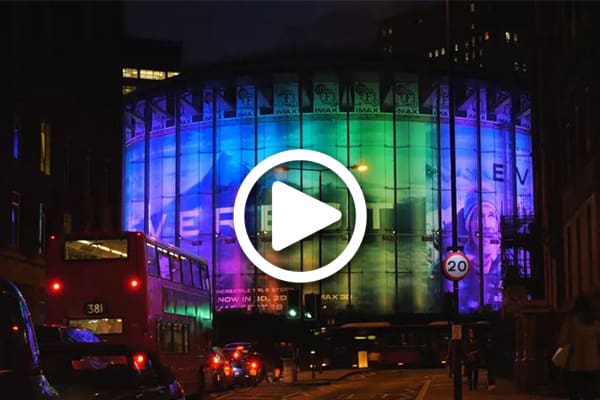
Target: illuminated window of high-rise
<point>515,37</point>
<point>516,66</point>
<point>455,46</point>
<point>45,137</point>
<point>390,49</point>
<point>16,137</point>
<point>472,7</point>
<point>172,74</point>
<point>443,51</point>
<point>507,36</point>
<point>487,36</point>
<point>130,73</point>
<point>436,53</point>
<point>128,89</point>
<point>152,74</point>
<point>472,27</point>
<point>524,67</point>
<point>473,40</point>
<point>430,55</point>
<point>390,31</point>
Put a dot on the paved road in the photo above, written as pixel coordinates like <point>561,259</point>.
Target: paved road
<point>373,385</point>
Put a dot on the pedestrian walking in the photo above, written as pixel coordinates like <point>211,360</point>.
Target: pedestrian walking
<point>472,356</point>
<point>491,360</point>
<point>580,333</point>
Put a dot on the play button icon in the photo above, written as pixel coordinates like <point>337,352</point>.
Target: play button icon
<point>296,215</point>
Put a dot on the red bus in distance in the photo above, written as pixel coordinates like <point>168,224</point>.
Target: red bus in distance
<point>132,289</point>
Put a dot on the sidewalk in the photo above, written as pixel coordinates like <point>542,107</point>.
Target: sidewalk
<point>441,387</point>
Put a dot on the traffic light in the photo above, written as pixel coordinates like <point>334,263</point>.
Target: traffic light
<point>312,306</point>
<point>293,304</point>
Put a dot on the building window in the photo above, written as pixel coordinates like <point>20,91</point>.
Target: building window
<point>128,89</point>
<point>436,53</point>
<point>390,49</point>
<point>472,27</point>
<point>42,229</point>
<point>515,37</point>
<point>524,67</point>
<point>172,74</point>
<point>130,73</point>
<point>45,137</point>
<point>455,46</point>
<point>516,66</point>
<point>16,137</point>
<point>152,74</point>
<point>15,218</point>
<point>487,36</point>
<point>472,7</point>
<point>507,36</point>
<point>443,51</point>
<point>430,55</point>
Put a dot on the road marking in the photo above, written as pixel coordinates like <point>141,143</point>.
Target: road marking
<point>424,389</point>
<point>290,395</point>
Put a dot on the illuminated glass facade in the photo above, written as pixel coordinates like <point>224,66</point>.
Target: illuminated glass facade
<point>187,150</point>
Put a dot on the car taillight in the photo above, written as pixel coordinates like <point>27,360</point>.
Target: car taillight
<point>236,355</point>
<point>215,360</point>
<point>134,283</point>
<point>139,360</point>
<point>55,286</point>
<point>253,365</point>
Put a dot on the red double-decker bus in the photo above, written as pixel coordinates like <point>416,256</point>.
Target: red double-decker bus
<point>131,289</point>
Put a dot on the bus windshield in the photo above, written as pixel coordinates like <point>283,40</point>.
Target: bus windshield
<point>96,249</point>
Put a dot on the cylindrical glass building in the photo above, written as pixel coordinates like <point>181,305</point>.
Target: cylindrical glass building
<point>189,144</point>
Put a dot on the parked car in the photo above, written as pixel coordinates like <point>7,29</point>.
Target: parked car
<point>105,371</point>
<point>52,333</point>
<point>246,362</point>
<point>218,372</point>
<point>20,374</point>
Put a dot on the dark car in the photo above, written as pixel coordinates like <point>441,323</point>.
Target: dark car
<point>52,333</point>
<point>218,372</point>
<point>102,371</point>
<point>246,362</point>
<point>20,374</point>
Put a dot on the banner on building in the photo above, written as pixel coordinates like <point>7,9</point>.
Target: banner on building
<point>325,97</point>
<point>406,92</point>
<point>285,95</point>
<point>245,101</point>
<point>366,97</point>
<point>444,101</point>
<point>207,104</point>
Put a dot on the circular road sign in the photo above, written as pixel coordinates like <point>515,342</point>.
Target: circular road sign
<point>456,265</point>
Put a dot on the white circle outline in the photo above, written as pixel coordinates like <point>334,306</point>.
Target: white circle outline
<point>449,274</point>
<point>239,210</point>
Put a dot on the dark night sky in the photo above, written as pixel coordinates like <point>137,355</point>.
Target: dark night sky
<point>218,31</point>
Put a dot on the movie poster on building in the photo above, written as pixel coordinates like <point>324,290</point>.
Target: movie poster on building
<point>325,97</point>
<point>245,101</point>
<point>366,97</point>
<point>286,98</point>
<point>207,104</point>
<point>406,92</point>
<point>444,101</point>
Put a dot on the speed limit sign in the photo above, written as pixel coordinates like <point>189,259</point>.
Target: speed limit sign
<point>456,266</point>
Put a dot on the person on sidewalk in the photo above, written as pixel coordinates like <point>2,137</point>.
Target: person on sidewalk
<point>491,360</point>
<point>582,333</point>
<point>472,352</point>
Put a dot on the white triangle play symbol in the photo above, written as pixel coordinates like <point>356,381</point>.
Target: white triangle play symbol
<point>296,215</point>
